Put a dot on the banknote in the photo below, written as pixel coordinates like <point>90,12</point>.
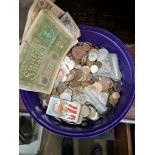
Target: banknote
<point>35,9</point>
<point>68,21</point>
<point>41,53</point>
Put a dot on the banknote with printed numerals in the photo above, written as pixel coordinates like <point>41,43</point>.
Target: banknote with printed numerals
<point>42,52</point>
<point>35,9</point>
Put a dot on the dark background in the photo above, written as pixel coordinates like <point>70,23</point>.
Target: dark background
<point>116,16</point>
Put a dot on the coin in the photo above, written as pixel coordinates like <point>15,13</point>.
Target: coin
<point>94,69</point>
<point>65,96</point>
<point>84,111</point>
<point>92,56</point>
<point>98,86</point>
<point>115,95</point>
<point>105,84</point>
<point>90,63</point>
<point>84,77</point>
<point>86,70</point>
<point>85,83</point>
<point>70,76</point>
<point>94,77</point>
<point>96,117</point>
<point>98,64</point>
<point>92,112</point>
<point>88,77</point>
<point>93,50</point>
<point>102,54</point>
<point>113,98</point>
<point>78,52</point>
<point>78,74</point>
<point>86,46</point>
<point>84,60</point>
<point>74,83</point>
<point>81,98</point>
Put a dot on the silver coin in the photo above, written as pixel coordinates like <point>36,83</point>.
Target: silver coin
<point>84,111</point>
<point>93,69</point>
<point>102,54</point>
<point>96,117</point>
<point>92,56</point>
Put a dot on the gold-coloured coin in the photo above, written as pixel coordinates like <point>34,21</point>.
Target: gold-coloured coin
<point>90,63</point>
<point>98,64</point>
<point>86,47</point>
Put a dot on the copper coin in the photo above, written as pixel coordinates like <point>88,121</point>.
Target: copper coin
<point>105,84</point>
<point>78,52</point>
<point>74,83</point>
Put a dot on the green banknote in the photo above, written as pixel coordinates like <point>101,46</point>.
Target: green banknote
<point>42,51</point>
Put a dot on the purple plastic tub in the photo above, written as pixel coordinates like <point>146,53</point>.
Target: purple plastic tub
<point>99,37</point>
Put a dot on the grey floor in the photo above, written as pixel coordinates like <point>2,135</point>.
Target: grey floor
<point>51,143</point>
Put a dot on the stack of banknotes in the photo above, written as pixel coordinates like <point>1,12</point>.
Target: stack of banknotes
<point>48,36</point>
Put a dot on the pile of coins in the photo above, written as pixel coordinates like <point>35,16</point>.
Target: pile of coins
<point>76,73</point>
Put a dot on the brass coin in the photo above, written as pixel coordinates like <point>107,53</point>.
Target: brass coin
<point>86,47</point>
<point>98,86</point>
<point>74,83</point>
<point>84,60</point>
<point>98,64</point>
<point>93,50</point>
<point>90,63</point>
<point>86,70</point>
<point>115,95</point>
<point>78,74</point>
<point>85,84</point>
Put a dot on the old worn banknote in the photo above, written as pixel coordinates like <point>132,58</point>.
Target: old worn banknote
<point>41,53</point>
<point>35,9</point>
<point>68,21</point>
